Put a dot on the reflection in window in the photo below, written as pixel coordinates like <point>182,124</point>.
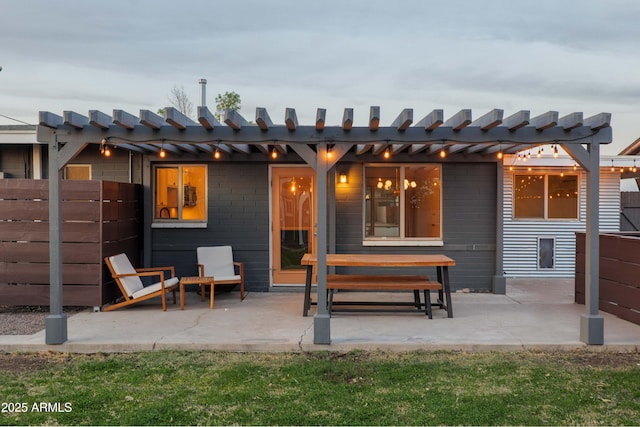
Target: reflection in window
<point>403,202</point>
<point>180,193</point>
<point>546,196</point>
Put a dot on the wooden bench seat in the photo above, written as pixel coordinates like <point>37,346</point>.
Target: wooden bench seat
<point>355,282</point>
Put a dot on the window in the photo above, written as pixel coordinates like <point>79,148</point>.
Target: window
<point>77,172</point>
<point>403,203</point>
<point>180,193</point>
<point>546,196</point>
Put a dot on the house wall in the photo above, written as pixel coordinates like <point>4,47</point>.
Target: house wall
<point>521,237</point>
<point>469,222</point>
<point>121,166</point>
<point>238,212</point>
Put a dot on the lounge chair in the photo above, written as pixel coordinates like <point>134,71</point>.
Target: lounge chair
<point>217,262</point>
<point>130,284</point>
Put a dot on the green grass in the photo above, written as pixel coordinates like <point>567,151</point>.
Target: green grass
<point>357,388</point>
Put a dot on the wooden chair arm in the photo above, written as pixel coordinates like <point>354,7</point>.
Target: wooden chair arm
<point>156,269</point>
<point>201,270</point>
<point>240,265</point>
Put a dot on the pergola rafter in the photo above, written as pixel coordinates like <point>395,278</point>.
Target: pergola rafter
<point>459,137</point>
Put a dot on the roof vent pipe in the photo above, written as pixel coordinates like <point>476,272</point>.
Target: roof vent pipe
<point>203,92</point>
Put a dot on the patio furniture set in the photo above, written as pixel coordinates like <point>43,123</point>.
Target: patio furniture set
<point>217,267</point>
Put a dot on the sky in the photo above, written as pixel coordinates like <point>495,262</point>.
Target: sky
<point>560,55</point>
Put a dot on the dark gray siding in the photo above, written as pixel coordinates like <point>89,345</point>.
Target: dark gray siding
<point>469,223</point>
<point>115,168</point>
<point>238,206</point>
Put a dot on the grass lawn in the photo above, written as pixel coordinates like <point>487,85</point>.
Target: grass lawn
<point>357,388</point>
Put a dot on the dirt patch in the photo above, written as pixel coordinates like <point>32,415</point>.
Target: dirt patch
<point>28,320</point>
<point>604,359</point>
<point>29,362</point>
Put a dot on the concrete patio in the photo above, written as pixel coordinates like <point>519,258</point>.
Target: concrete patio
<point>533,315</point>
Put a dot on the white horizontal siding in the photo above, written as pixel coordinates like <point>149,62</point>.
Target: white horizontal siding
<point>521,237</point>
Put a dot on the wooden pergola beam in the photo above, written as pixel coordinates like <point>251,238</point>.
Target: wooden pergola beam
<point>207,119</point>
<point>459,121</point>
<point>432,120</point>
<point>404,120</point>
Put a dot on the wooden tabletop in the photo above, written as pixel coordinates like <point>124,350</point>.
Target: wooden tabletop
<point>194,280</point>
<point>382,260</point>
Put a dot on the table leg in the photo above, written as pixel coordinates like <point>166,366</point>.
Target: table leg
<point>307,291</point>
<point>181,296</point>
<point>211,284</point>
<point>447,290</point>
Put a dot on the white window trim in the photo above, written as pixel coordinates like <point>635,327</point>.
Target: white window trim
<point>400,241</point>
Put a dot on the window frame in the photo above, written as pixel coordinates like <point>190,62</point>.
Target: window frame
<point>178,222</point>
<point>546,175</point>
<point>400,240</point>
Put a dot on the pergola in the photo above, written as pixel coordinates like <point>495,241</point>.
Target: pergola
<point>321,146</point>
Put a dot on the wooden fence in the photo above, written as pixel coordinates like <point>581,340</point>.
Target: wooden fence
<point>99,219</point>
<point>619,274</point>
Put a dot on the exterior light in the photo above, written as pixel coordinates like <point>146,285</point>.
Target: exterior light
<point>105,150</point>
<point>274,153</point>
<point>500,155</point>
<point>329,153</point>
<point>162,153</point>
<point>443,153</point>
<point>343,178</point>
<point>387,153</point>
<point>216,154</point>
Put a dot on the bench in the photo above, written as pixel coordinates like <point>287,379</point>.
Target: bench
<point>353,282</point>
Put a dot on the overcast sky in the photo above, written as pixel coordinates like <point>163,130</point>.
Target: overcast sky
<point>561,55</point>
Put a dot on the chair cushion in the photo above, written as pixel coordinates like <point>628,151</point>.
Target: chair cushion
<point>217,261</point>
<point>156,287</point>
<point>121,265</point>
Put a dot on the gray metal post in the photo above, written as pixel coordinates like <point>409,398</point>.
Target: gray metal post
<point>56,321</point>
<point>322,319</point>
<point>499,280</point>
<point>591,323</point>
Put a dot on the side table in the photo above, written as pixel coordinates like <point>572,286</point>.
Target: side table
<point>196,280</point>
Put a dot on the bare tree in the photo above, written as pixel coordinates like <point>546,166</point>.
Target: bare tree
<point>180,100</point>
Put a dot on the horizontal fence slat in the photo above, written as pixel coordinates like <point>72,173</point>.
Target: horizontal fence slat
<point>38,252</point>
<point>38,273</point>
<point>72,295</point>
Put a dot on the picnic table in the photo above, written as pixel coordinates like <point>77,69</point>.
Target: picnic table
<point>440,262</point>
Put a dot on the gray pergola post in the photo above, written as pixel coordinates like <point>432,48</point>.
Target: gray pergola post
<point>322,319</point>
<point>56,321</point>
<point>591,323</point>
